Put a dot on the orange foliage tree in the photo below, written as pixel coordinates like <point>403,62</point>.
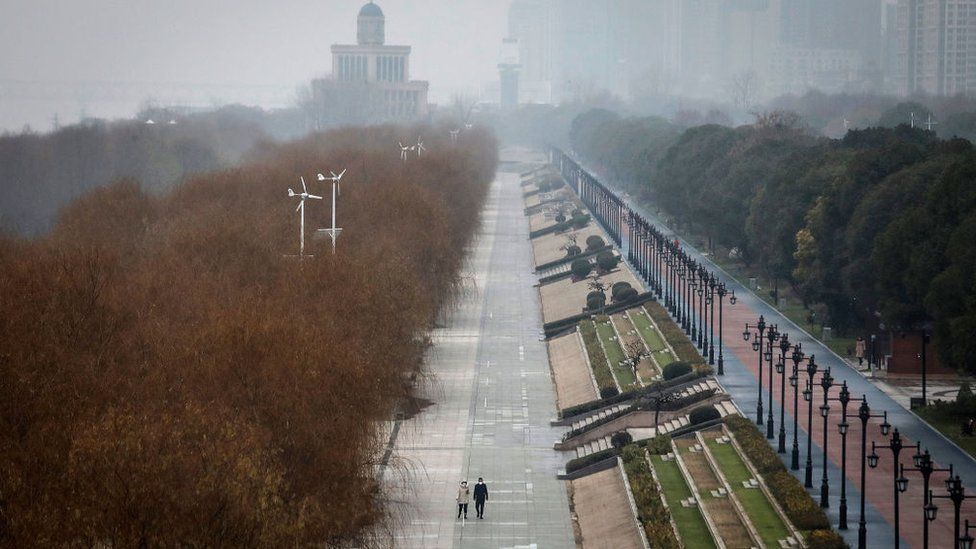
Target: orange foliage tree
<point>168,377</point>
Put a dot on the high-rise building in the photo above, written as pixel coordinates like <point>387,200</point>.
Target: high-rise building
<point>936,46</point>
<point>530,22</point>
<point>508,70</point>
<point>370,80</point>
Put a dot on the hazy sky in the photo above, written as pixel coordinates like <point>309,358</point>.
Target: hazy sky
<point>243,43</point>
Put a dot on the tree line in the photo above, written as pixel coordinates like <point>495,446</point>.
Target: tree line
<point>40,173</point>
<point>875,227</point>
<point>169,376</point>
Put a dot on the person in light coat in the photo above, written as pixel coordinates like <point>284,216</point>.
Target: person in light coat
<point>463,498</point>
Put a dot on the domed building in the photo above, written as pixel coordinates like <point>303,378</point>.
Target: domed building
<point>370,81</point>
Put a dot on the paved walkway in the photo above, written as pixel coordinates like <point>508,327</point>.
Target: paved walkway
<point>493,400</point>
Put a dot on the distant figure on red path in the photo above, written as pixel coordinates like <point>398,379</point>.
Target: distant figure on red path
<point>859,347</point>
<point>480,496</point>
<point>463,497</point>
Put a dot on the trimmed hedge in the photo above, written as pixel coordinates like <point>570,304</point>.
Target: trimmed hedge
<point>573,251</point>
<point>594,242</point>
<point>607,260</point>
<point>621,397</point>
<point>686,350</point>
<point>825,539</point>
<point>609,392</point>
<point>598,360</point>
<point>581,268</point>
<point>651,512</point>
<point>579,221</point>
<point>802,511</point>
<point>619,287</point>
<point>621,439</point>
<point>576,464</point>
<point>703,414</point>
<point>676,369</point>
<point>628,295</point>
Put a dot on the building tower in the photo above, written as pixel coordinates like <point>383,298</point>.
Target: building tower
<point>372,24</point>
<point>508,69</point>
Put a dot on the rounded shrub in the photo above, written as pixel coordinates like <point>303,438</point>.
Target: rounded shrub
<point>606,260</point>
<point>630,294</point>
<point>594,242</point>
<point>824,539</point>
<point>676,369</point>
<point>581,268</point>
<point>580,221</point>
<point>702,414</point>
<point>621,439</point>
<point>619,287</point>
<point>608,392</point>
<point>573,251</point>
<point>560,218</point>
<point>595,301</point>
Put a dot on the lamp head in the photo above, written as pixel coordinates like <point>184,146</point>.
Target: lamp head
<point>733,298</point>
<point>873,458</point>
<point>755,344</point>
<point>931,511</point>
<point>842,427</point>
<point>745,333</point>
<point>824,410</point>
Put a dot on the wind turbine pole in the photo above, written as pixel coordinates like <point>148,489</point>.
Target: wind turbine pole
<point>334,216</point>
<point>301,232</point>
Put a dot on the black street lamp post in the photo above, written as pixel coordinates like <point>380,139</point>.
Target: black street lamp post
<point>711,317</point>
<point>900,483</point>
<point>772,335</point>
<point>796,357</point>
<point>957,494</point>
<point>844,398</point>
<point>826,382</point>
<point>808,396</point>
<point>784,346</point>
<point>722,292</point>
<point>865,415</point>
<point>923,464</point>
<point>757,344</point>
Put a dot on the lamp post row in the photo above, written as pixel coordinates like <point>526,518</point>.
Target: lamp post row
<point>689,291</point>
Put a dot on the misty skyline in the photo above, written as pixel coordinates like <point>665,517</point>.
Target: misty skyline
<point>225,48</point>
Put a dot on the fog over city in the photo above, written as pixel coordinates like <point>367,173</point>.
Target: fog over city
<point>103,57</point>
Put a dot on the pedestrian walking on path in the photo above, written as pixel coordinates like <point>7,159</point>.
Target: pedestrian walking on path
<point>859,347</point>
<point>480,496</point>
<point>463,498</point>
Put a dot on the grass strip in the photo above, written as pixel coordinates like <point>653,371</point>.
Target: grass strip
<point>689,520</point>
<point>761,512</point>
<point>598,361</point>
<point>615,355</point>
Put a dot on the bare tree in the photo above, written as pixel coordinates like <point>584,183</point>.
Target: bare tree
<point>635,353</point>
<point>463,105</point>
<point>743,89</point>
<point>656,399</point>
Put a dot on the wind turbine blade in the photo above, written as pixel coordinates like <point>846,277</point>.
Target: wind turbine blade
<point>315,197</point>
<point>333,174</point>
<point>300,205</point>
<point>304,188</point>
<point>342,173</point>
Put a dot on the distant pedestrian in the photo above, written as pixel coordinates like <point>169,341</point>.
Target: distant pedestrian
<point>463,498</point>
<point>859,347</point>
<point>480,496</point>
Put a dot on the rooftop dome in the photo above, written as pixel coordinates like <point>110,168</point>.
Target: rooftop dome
<point>370,10</point>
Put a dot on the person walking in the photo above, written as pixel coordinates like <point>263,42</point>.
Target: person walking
<point>463,498</point>
<point>480,496</point>
<point>859,348</point>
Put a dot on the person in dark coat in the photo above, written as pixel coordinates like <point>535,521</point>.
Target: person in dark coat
<point>480,496</point>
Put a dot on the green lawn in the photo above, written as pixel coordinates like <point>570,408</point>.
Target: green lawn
<point>760,510</point>
<point>615,354</point>
<point>598,360</point>
<point>652,337</point>
<point>691,525</point>
<point>949,425</point>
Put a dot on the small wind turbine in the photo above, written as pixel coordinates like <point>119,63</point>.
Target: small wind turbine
<point>404,150</point>
<point>930,123</point>
<point>913,119</point>
<point>301,208</point>
<point>454,135</point>
<point>334,231</point>
<point>150,122</point>
<point>419,146</point>
<point>847,124</point>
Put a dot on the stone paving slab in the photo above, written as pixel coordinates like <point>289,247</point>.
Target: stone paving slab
<point>493,398</point>
<point>565,298</point>
<point>570,370</point>
<point>548,247</point>
<point>605,517</point>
